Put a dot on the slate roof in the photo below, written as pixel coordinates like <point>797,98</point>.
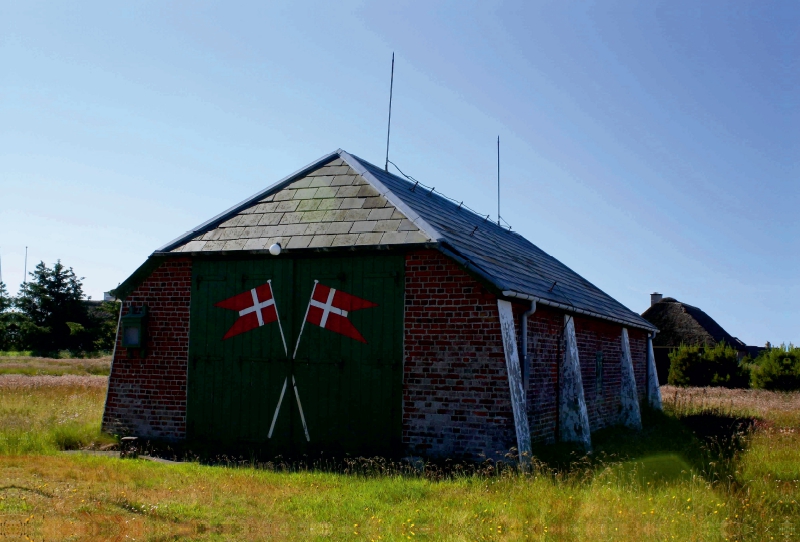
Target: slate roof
<point>681,323</point>
<point>418,216</point>
<point>330,206</point>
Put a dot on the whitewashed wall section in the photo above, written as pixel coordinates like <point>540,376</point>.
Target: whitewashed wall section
<point>515,383</point>
<point>629,398</point>
<point>653,389</point>
<point>573,417</point>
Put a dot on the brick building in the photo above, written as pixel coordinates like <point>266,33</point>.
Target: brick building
<point>345,309</point>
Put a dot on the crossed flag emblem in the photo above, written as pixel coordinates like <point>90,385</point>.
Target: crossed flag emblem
<point>327,308</point>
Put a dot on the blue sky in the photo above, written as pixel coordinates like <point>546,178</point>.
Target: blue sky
<point>650,146</point>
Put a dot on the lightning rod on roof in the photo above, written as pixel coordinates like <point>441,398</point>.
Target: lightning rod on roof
<point>498,180</point>
<point>389,127</point>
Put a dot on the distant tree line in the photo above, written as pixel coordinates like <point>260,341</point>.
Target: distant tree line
<point>775,368</point>
<point>49,314</point>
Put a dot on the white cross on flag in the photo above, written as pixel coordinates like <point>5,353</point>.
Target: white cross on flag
<point>255,307</point>
<point>328,309</point>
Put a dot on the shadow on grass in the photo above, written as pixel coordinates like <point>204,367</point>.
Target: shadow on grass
<point>669,448</point>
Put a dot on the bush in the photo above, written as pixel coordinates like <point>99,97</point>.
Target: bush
<point>777,369</point>
<point>702,366</point>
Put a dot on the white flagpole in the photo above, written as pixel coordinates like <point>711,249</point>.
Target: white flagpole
<point>302,417</point>
<point>303,325</point>
<point>275,303</point>
<point>278,408</point>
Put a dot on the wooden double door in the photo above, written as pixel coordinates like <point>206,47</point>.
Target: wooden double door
<point>300,379</point>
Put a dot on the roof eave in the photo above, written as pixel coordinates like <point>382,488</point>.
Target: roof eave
<point>569,308</point>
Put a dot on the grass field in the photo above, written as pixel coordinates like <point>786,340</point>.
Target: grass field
<point>718,465</point>
<point>34,366</point>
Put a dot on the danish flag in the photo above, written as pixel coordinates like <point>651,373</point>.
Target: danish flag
<point>328,308</point>
<point>255,307</point>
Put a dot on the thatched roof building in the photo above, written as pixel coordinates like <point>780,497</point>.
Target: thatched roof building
<point>680,323</point>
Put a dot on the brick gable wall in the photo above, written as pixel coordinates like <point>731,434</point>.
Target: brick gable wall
<point>456,399</point>
<point>147,395</point>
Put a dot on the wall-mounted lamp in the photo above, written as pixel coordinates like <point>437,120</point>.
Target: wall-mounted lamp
<point>134,330</point>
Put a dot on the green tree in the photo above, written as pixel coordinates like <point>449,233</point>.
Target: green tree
<point>52,313</point>
<point>5,318</point>
<point>707,366</point>
<point>777,369</point>
<point>104,328</point>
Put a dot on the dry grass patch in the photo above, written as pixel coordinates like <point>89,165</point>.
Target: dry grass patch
<point>777,407</point>
<point>34,366</point>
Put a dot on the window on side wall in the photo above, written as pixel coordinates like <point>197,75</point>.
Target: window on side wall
<point>598,372</point>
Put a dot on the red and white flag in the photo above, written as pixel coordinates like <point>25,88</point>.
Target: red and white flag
<point>328,308</point>
<point>256,308</point>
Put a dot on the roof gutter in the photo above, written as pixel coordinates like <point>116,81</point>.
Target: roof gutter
<point>569,308</point>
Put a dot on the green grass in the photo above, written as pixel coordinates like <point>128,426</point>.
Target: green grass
<point>44,414</point>
<point>702,470</point>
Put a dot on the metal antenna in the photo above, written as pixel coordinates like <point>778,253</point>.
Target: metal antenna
<point>25,276</point>
<point>498,180</point>
<point>389,128</point>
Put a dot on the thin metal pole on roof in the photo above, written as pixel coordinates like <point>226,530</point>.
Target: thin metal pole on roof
<point>389,127</point>
<point>498,180</point>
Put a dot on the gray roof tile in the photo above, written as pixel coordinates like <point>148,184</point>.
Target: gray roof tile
<point>325,180</point>
<point>309,204</point>
<point>328,204</point>
<point>338,227</point>
<point>301,183</point>
<point>352,203</point>
<point>299,241</point>
<point>320,241</point>
<point>384,213</point>
<point>343,180</point>
<point>373,238</point>
<point>325,192</point>
<point>375,202</point>
<point>346,239</point>
<point>270,219</point>
<point>285,194</point>
<point>363,226</point>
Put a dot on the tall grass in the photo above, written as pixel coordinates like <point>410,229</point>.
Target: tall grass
<point>45,414</point>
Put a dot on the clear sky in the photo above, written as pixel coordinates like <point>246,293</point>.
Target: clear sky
<point>651,146</point>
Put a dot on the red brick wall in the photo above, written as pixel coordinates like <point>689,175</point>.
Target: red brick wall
<point>456,399</point>
<point>147,396</point>
<point>545,348</point>
<point>638,343</point>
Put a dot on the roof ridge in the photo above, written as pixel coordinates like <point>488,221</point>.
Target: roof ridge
<point>355,163</point>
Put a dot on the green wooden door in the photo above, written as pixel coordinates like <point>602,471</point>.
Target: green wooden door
<point>347,392</point>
